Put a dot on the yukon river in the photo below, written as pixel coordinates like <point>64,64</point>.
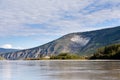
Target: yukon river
<point>60,70</point>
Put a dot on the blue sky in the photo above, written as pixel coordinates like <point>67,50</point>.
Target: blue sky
<point>30,23</point>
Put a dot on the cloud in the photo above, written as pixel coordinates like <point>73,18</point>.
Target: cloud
<point>55,17</point>
<point>8,46</point>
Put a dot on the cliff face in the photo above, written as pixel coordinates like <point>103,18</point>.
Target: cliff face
<point>83,43</point>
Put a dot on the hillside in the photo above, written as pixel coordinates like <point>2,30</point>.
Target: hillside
<point>108,52</point>
<point>82,43</point>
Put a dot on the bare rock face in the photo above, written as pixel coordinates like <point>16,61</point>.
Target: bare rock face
<point>80,40</point>
<point>83,43</point>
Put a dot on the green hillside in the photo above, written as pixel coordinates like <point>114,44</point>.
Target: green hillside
<point>108,52</point>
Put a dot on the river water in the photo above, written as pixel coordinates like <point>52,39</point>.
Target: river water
<point>59,70</point>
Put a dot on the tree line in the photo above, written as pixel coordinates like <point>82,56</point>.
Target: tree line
<point>108,52</point>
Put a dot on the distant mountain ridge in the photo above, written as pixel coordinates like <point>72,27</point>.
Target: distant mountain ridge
<point>83,43</point>
<point>3,50</point>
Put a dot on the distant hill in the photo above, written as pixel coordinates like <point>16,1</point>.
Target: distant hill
<point>2,50</point>
<point>82,43</point>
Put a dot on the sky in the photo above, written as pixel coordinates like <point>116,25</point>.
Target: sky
<point>30,23</point>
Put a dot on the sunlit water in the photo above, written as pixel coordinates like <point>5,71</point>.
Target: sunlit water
<point>59,70</point>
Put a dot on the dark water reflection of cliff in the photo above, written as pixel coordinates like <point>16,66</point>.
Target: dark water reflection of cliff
<point>59,70</point>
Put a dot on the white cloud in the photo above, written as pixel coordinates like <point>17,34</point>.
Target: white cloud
<point>60,16</point>
<point>8,46</point>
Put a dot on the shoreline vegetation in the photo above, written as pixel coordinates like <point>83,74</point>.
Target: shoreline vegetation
<point>107,52</point>
<point>111,52</point>
<point>1,58</point>
<point>61,56</point>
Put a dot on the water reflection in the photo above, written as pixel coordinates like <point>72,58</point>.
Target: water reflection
<point>6,71</point>
<point>60,70</point>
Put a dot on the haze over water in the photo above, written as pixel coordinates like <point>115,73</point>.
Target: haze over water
<point>60,70</point>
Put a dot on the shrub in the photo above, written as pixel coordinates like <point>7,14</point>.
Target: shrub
<point>65,56</point>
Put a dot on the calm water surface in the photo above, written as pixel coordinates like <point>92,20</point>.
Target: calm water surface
<point>59,70</point>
